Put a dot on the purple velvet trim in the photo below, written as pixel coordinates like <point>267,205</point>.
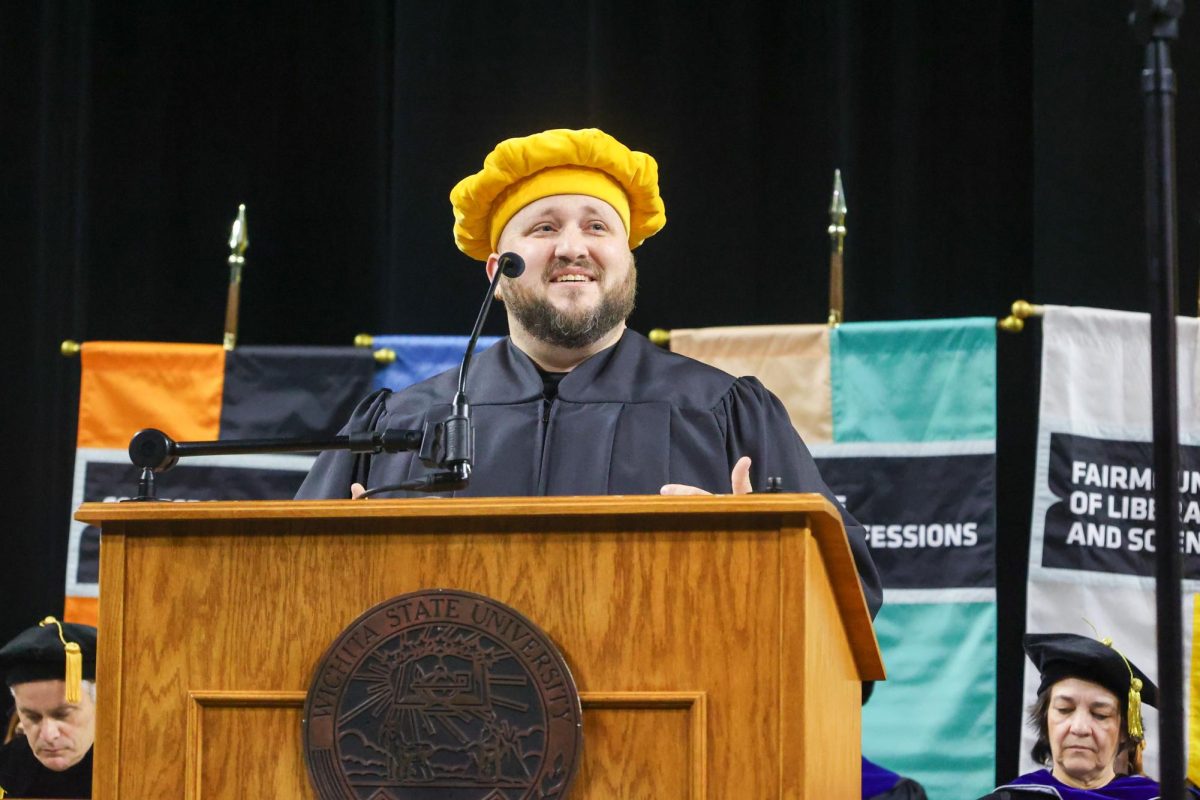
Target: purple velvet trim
<point>1123,787</point>
<point>876,779</point>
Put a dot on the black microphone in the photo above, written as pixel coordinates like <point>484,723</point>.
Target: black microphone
<point>450,445</point>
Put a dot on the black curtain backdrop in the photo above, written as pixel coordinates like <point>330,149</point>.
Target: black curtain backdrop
<point>990,151</point>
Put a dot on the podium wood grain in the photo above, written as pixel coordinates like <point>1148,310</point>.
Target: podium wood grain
<point>717,642</point>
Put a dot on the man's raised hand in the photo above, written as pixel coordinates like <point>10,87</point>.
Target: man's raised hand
<point>739,481</point>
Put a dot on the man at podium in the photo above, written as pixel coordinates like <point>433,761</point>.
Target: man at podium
<point>572,402</point>
<point>51,671</point>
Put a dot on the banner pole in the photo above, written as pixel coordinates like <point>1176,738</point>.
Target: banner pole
<point>837,238</point>
<point>239,240</point>
<point>1156,23</point>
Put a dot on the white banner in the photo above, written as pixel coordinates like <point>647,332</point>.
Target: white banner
<point>1091,553</point>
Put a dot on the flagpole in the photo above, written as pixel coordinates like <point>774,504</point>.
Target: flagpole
<point>239,240</point>
<point>1156,24</point>
<point>837,237</point>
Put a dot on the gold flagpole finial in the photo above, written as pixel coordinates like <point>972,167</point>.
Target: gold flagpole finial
<point>837,237</point>
<point>837,205</point>
<point>383,355</point>
<point>1021,310</point>
<point>73,675</point>
<point>239,240</point>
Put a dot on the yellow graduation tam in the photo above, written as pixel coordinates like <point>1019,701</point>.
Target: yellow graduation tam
<point>522,170</point>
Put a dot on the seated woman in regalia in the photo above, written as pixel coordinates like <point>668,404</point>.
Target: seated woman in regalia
<point>1088,722</point>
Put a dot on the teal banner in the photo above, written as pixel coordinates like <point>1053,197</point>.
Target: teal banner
<point>921,381</point>
<point>913,458</point>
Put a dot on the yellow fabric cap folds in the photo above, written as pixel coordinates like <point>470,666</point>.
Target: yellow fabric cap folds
<point>522,170</point>
<point>552,181</point>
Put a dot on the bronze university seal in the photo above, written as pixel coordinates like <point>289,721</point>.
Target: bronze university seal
<point>442,694</point>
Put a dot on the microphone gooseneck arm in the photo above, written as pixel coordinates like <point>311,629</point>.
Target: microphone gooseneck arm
<point>152,451</point>
<point>513,266</point>
<point>451,447</point>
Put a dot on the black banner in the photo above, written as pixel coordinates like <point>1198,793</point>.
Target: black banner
<point>1104,517</point>
<point>275,391</point>
<point>930,521</point>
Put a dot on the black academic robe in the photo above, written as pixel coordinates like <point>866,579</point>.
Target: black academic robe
<point>626,421</point>
<point>905,789</point>
<point>22,775</point>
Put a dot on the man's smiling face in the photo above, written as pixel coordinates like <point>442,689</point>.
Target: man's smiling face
<point>579,281</point>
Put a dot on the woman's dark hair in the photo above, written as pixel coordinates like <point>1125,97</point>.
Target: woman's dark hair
<point>1039,720</point>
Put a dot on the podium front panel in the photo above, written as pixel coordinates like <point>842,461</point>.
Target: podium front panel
<point>709,649</point>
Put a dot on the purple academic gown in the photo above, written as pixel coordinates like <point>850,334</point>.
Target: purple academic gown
<point>880,783</point>
<point>1043,784</point>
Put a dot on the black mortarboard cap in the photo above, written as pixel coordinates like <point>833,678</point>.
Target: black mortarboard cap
<point>1067,655</point>
<point>39,654</point>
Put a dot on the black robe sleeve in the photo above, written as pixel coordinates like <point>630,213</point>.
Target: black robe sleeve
<point>905,789</point>
<point>759,427</point>
<point>334,470</point>
<point>1014,793</point>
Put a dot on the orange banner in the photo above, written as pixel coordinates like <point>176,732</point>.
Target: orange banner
<point>84,610</point>
<point>127,386</point>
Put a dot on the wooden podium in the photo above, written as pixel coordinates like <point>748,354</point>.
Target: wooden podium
<point>717,642</point>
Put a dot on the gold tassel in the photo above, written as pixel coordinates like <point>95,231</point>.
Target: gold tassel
<point>1135,689</point>
<point>73,675</point>
<point>1135,707</point>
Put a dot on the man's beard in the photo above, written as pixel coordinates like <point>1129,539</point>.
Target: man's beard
<point>571,330</point>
